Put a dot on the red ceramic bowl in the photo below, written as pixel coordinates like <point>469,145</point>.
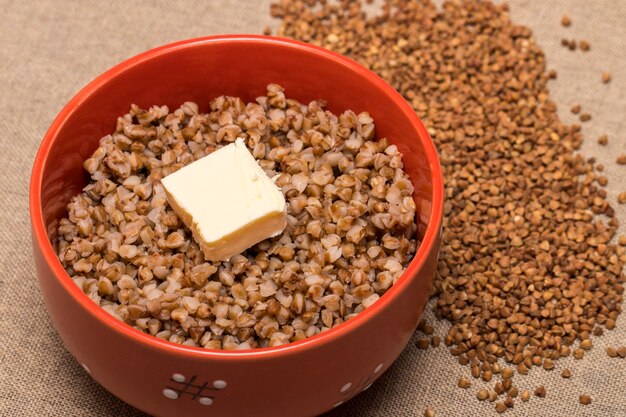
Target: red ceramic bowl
<point>164,379</point>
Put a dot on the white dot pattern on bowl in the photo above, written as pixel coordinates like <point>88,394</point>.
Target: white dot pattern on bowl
<point>350,389</point>
<point>219,384</point>
<point>181,386</point>
<point>205,401</point>
<point>170,393</point>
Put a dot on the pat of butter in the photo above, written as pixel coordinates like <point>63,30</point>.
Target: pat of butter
<point>227,201</point>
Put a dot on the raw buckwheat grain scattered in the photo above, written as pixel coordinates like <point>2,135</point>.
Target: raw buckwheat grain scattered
<point>578,353</point>
<point>429,412</point>
<point>350,232</point>
<point>571,44</point>
<point>566,373</point>
<point>423,343</point>
<point>528,267</point>
<point>482,394</point>
<point>603,140</point>
<point>525,395</point>
<point>498,388</point>
<point>552,74</point>
<point>508,402</point>
<point>464,383</point>
<point>540,391</point>
<point>621,159</point>
<point>584,399</point>
<point>606,77</point>
<point>566,21</point>
<point>584,45</point>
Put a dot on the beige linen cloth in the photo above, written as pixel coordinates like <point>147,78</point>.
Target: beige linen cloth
<point>50,49</point>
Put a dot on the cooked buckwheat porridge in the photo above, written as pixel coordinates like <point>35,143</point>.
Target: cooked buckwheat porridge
<point>350,224</point>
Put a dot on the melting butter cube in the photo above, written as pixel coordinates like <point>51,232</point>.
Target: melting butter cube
<point>227,201</point>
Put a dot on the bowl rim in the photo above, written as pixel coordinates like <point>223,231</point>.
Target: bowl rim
<point>40,237</point>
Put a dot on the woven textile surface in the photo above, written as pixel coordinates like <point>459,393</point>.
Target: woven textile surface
<point>51,49</point>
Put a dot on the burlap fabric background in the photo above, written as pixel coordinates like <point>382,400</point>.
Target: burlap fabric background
<point>50,49</point>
